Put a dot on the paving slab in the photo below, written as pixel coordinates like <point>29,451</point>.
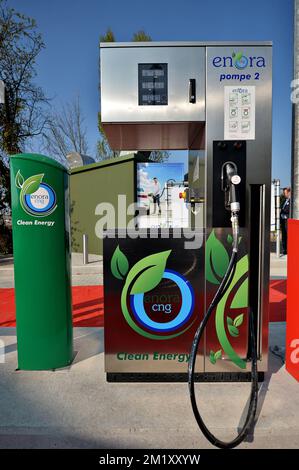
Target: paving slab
<point>76,408</point>
<point>278,266</point>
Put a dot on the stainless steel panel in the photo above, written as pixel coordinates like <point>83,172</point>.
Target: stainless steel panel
<point>258,168</point>
<point>119,84</point>
<point>184,44</point>
<point>149,366</point>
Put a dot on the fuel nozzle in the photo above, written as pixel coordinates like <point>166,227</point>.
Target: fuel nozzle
<point>229,184</point>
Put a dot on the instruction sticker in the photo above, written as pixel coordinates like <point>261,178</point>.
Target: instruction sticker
<point>239,112</point>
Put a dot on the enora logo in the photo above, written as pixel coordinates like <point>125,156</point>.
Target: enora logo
<point>239,60</point>
<point>36,197</point>
<point>143,277</point>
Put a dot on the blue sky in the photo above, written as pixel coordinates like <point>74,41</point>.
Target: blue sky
<point>71,28</point>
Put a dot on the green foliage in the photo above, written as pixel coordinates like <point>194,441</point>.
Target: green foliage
<point>108,36</point>
<point>5,240</point>
<point>141,36</point>
<point>22,114</point>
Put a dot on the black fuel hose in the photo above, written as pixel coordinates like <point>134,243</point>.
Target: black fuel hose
<point>250,417</point>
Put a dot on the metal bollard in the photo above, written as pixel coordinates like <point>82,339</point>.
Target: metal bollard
<point>277,215</point>
<point>85,248</point>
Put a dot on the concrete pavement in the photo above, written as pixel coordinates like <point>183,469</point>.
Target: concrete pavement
<point>278,266</point>
<point>92,273</point>
<point>75,407</point>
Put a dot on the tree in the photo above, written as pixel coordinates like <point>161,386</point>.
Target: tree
<point>141,36</point>
<point>22,116</point>
<point>103,148</point>
<point>65,132</point>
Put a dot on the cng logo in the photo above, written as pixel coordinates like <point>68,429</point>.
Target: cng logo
<point>143,277</point>
<point>36,197</point>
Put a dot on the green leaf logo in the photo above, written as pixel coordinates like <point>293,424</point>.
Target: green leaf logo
<point>217,259</point>
<point>218,354</point>
<point>32,184</point>
<point>146,274</point>
<point>237,56</point>
<point>235,323</point>
<point>19,180</point>
<point>214,356</point>
<point>119,264</point>
<point>233,330</point>
<point>239,320</point>
<point>240,300</point>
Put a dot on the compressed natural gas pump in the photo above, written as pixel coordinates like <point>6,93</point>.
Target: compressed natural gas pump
<point>163,293</point>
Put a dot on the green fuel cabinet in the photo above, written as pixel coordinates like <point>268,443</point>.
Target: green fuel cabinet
<point>41,245</point>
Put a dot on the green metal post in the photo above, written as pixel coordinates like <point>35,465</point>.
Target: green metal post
<point>41,241</point>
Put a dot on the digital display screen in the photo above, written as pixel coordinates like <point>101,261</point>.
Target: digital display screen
<point>153,72</point>
<point>153,84</point>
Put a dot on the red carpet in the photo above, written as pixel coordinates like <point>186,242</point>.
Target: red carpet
<point>278,300</point>
<point>88,304</point>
